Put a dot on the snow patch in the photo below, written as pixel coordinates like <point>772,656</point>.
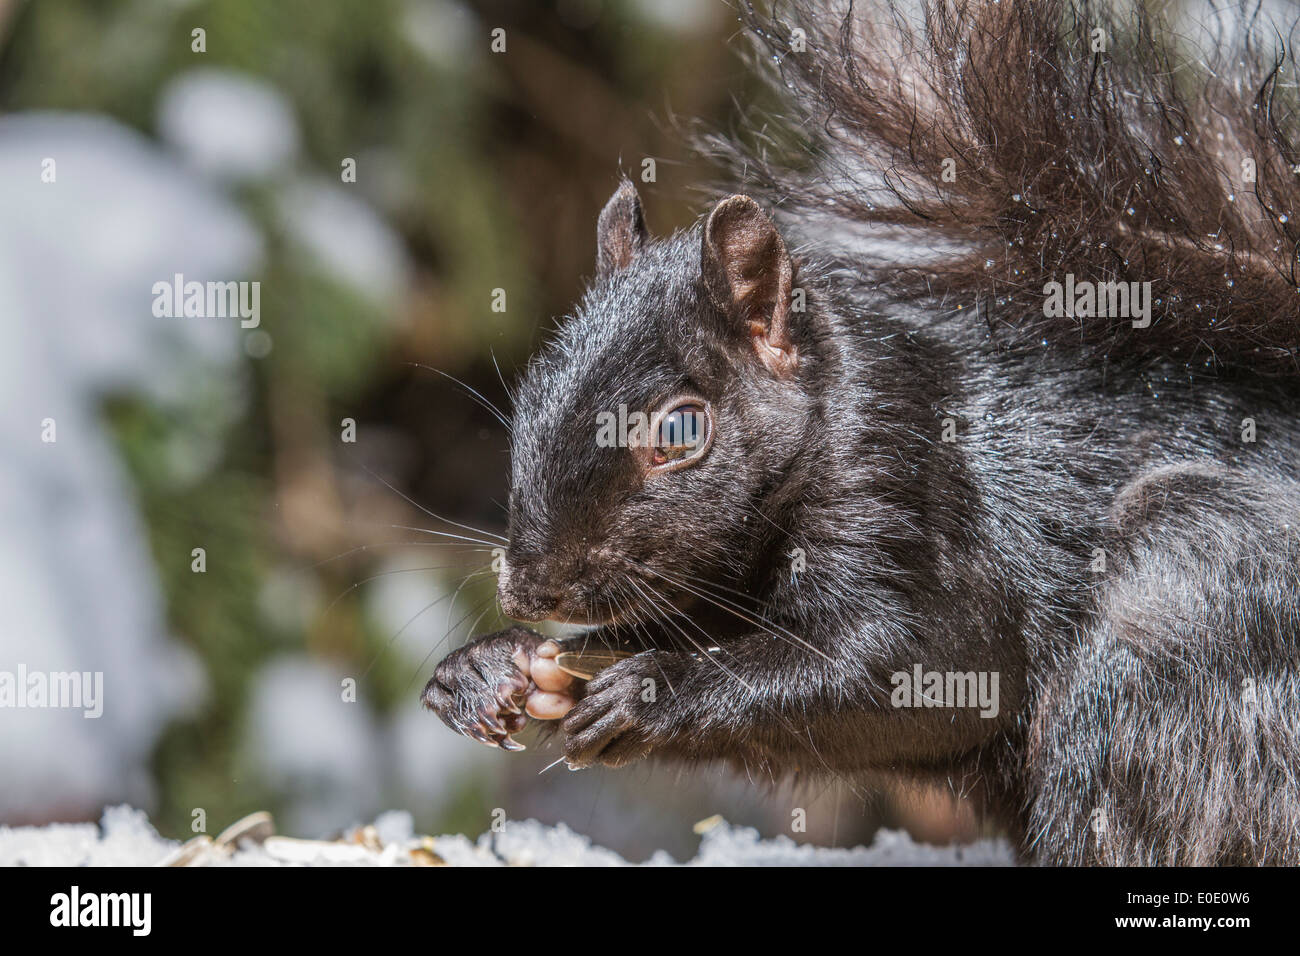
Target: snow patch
<point>125,838</point>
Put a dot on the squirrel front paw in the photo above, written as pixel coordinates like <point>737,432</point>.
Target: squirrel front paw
<point>621,718</point>
<point>489,688</point>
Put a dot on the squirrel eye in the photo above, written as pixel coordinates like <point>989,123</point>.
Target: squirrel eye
<point>681,434</point>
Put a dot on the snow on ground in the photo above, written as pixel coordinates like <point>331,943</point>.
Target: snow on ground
<point>126,838</point>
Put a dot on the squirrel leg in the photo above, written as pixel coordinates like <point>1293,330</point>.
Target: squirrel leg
<point>1161,740</point>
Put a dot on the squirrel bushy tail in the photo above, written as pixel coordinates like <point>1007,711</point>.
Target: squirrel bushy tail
<point>1021,140</point>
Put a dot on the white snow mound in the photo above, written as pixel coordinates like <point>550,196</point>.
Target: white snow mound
<point>126,838</point>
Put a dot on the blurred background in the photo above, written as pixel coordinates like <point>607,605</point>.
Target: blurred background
<point>380,171</point>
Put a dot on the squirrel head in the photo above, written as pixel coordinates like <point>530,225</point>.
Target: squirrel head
<point>648,431</point>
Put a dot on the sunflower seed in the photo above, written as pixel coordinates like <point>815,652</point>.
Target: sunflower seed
<point>588,663</point>
<point>256,827</point>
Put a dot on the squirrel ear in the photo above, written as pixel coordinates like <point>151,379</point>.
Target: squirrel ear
<point>748,274</point>
<point>620,230</point>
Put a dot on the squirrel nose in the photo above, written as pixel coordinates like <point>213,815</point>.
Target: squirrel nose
<point>527,607</point>
<point>523,597</point>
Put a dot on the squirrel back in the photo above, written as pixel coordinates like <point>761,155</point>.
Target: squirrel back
<point>1007,145</point>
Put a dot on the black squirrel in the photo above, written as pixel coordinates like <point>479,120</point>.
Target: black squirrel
<point>911,440</point>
